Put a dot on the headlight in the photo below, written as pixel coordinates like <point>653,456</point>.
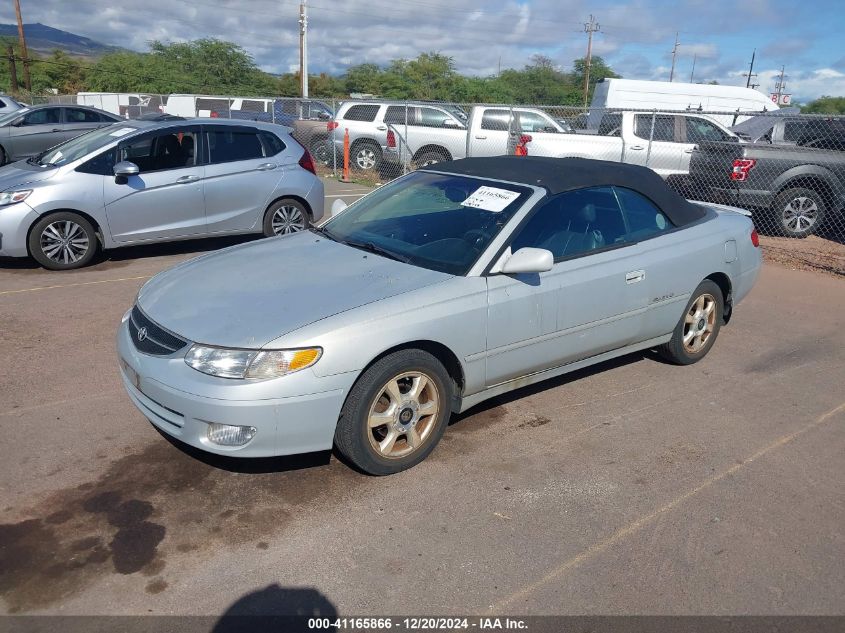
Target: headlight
<point>13,197</point>
<point>250,363</point>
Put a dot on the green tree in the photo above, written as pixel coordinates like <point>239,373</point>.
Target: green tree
<point>825,105</point>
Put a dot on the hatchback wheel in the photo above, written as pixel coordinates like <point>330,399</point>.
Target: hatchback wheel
<point>62,241</point>
<point>799,212</point>
<point>396,413</point>
<point>698,328</point>
<point>284,217</point>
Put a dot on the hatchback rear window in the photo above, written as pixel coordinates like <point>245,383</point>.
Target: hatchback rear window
<point>225,146</point>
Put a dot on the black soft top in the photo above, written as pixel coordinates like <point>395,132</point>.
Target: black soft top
<point>558,175</point>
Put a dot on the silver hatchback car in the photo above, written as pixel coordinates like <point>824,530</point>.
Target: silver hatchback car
<point>150,181</point>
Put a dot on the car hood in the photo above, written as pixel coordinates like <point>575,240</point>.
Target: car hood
<point>16,175</point>
<point>250,294</point>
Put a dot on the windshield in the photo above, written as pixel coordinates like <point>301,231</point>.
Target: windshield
<point>83,145</point>
<point>442,222</point>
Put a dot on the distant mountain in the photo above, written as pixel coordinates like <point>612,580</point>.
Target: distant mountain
<point>44,39</point>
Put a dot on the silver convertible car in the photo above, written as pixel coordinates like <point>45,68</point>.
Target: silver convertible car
<point>448,286</point>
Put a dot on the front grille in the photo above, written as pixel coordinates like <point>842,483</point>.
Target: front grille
<point>155,340</point>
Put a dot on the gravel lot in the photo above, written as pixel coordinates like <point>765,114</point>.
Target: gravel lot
<point>632,488</point>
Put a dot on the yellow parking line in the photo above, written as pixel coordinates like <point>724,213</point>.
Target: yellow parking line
<point>643,521</point>
<point>81,283</point>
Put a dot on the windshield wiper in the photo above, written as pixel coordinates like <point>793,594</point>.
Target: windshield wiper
<point>378,250</point>
<point>320,230</point>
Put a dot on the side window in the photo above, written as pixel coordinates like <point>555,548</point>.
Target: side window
<point>227,145</point>
<point>794,130</point>
<point>699,130</point>
<point>534,122</point>
<point>363,112</point>
<point>272,144</point>
<point>289,107</point>
<point>253,105</point>
<point>495,120</point>
<point>664,127</point>
<point>431,117</point>
<point>75,115</point>
<point>610,124</point>
<point>45,116</point>
<point>574,223</point>
<point>395,115</point>
<point>642,216</point>
<point>173,149</point>
<point>102,164</point>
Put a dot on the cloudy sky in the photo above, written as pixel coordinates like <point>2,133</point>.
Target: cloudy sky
<point>635,37</point>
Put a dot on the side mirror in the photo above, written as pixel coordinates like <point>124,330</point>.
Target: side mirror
<point>17,122</point>
<point>323,116</point>
<point>338,206</point>
<point>529,260</point>
<point>450,123</point>
<point>126,168</point>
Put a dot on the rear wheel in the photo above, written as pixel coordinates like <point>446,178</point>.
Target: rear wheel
<point>321,151</point>
<point>366,156</point>
<point>698,328</point>
<point>396,413</point>
<point>429,158</point>
<point>284,217</point>
<point>62,241</point>
<point>799,212</point>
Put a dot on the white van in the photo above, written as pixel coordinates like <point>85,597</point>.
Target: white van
<point>635,94</point>
<point>190,106</point>
<point>129,105</point>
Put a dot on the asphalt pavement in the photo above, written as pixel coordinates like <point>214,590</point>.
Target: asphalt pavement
<point>635,487</point>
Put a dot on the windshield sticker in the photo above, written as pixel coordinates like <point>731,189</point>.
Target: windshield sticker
<point>490,199</point>
<point>122,131</point>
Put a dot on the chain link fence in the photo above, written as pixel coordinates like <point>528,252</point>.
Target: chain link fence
<point>787,169</point>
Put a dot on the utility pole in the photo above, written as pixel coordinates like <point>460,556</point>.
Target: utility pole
<point>692,72</point>
<point>674,54</point>
<point>780,87</point>
<point>13,70</point>
<point>589,28</point>
<point>27,81</point>
<point>303,48</point>
<point>750,74</point>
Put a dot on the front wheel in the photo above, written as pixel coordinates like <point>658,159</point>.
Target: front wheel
<point>284,217</point>
<point>366,156</point>
<point>698,328</point>
<point>396,413</point>
<point>62,241</point>
<point>799,212</point>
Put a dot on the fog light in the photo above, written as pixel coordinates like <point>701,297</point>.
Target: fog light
<point>229,434</point>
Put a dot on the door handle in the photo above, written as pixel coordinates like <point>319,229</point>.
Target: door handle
<point>266,166</point>
<point>481,138</point>
<point>688,151</point>
<point>634,276</point>
<point>381,127</point>
<point>636,147</point>
<point>56,130</point>
<point>183,180</point>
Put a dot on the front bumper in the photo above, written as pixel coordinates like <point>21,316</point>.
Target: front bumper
<point>293,414</point>
<point>15,220</point>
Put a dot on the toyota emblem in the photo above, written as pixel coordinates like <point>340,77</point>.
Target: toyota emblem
<point>142,334</point>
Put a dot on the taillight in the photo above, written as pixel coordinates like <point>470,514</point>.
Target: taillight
<point>306,162</point>
<point>741,167</point>
<point>525,138</point>
<point>391,139</point>
<point>215,115</point>
<point>755,239</point>
<point>332,125</point>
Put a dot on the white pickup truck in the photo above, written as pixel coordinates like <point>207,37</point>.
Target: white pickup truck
<point>663,142</point>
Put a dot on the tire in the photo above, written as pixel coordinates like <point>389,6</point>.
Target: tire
<point>698,324</point>
<point>385,391</point>
<point>284,217</point>
<point>321,151</point>
<point>798,212</point>
<point>2,156</point>
<point>429,158</point>
<point>63,241</point>
<point>365,156</point>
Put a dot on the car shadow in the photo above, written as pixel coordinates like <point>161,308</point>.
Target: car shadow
<point>552,383</point>
<point>277,608</point>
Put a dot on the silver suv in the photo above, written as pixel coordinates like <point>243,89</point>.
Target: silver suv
<point>151,181</point>
<point>368,122</point>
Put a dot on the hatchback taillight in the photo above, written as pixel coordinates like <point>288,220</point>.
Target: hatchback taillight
<point>306,162</point>
<point>755,239</point>
<point>332,125</point>
<point>391,139</point>
<point>741,167</point>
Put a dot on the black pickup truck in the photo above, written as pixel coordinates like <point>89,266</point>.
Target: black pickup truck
<point>801,185</point>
